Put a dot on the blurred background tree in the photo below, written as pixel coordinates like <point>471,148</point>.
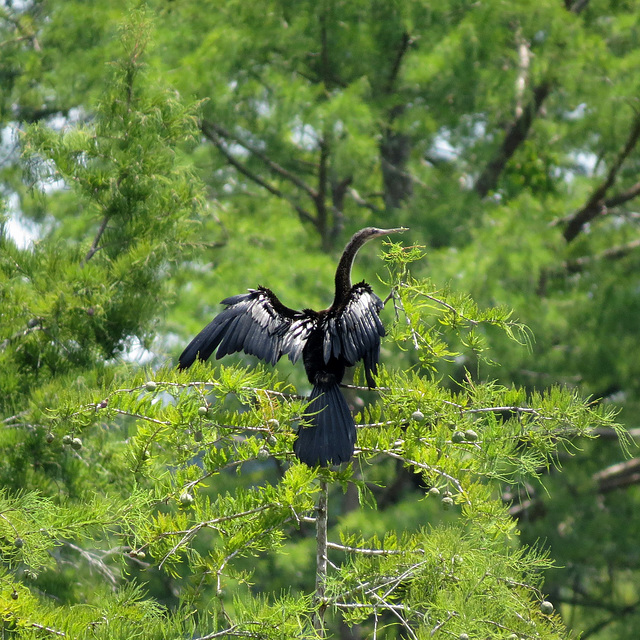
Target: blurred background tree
<point>505,136</point>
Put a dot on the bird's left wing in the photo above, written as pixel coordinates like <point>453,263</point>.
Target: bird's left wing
<point>256,323</point>
<point>353,332</point>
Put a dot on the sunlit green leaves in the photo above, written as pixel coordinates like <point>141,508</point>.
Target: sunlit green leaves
<point>186,483</point>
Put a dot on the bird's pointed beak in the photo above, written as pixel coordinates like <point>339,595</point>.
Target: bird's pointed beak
<point>384,232</point>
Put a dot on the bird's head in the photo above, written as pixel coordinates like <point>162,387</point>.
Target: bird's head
<point>368,233</point>
<point>343,273</point>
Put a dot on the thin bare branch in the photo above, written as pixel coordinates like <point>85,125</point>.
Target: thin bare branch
<point>515,136</point>
<point>188,534</point>
<point>96,241</point>
<point>20,334</point>
<point>403,47</point>
<point>441,624</point>
<point>141,416</point>
<point>427,467</point>
<point>613,253</point>
<point>42,627</point>
<point>233,631</point>
<point>370,552</point>
<point>209,127</point>
<point>453,310</point>
<point>210,131</point>
<point>362,202</point>
<point>96,560</point>
<point>596,204</point>
<point>616,476</point>
<point>319,598</point>
<point>524,62</point>
<point>620,198</point>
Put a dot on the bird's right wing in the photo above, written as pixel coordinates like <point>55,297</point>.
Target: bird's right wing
<point>256,323</point>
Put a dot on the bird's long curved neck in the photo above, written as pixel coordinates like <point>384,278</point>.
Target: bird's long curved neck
<point>343,273</point>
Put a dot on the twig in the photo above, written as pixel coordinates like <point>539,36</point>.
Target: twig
<point>441,624</point>
<point>20,334</point>
<point>95,561</point>
<point>372,590</point>
<point>397,304</point>
<point>596,203</point>
<point>231,631</point>
<point>55,632</point>
<point>396,612</point>
<point>140,416</point>
<point>453,310</point>
<point>427,467</point>
<point>370,552</point>
<point>613,253</point>
<point>370,587</point>
<point>208,127</point>
<point>361,202</point>
<point>319,598</point>
<point>209,130</point>
<point>515,136</point>
<point>524,61</point>
<point>96,240</point>
<point>188,534</point>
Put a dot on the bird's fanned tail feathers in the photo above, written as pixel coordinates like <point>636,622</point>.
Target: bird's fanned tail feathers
<point>330,436</point>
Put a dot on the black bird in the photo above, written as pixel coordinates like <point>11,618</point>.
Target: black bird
<point>329,341</point>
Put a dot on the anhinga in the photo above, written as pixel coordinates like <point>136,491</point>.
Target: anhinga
<point>329,341</point>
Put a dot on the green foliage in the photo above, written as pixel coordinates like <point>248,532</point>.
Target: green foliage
<point>180,467</point>
<point>86,292</point>
<point>150,504</point>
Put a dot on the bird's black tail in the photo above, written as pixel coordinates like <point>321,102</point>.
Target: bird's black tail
<point>330,436</point>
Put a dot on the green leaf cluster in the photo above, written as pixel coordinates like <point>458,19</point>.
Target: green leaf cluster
<point>152,504</point>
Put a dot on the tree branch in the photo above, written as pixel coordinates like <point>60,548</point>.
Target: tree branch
<point>597,205</point>
<point>233,630</point>
<point>210,131</point>
<point>405,43</point>
<point>525,114</point>
<point>613,253</point>
<point>51,630</point>
<point>370,552</point>
<point>94,245</point>
<point>338,192</point>
<point>319,598</point>
<point>618,475</point>
<point>611,434</point>
<point>524,61</point>
<point>362,202</point>
<point>208,127</point>
<point>28,32</point>
<point>620,613</point>
<point>623,197</point>
<point>577,6</point>
<point>515,136</point>
<point>324,51</point>
<point>321,195</point>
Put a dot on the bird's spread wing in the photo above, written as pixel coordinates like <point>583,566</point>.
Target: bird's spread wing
<point>353,332</point>
<point>256,323</point>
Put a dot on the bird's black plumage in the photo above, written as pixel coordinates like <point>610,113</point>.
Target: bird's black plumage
<point>328,341</point>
